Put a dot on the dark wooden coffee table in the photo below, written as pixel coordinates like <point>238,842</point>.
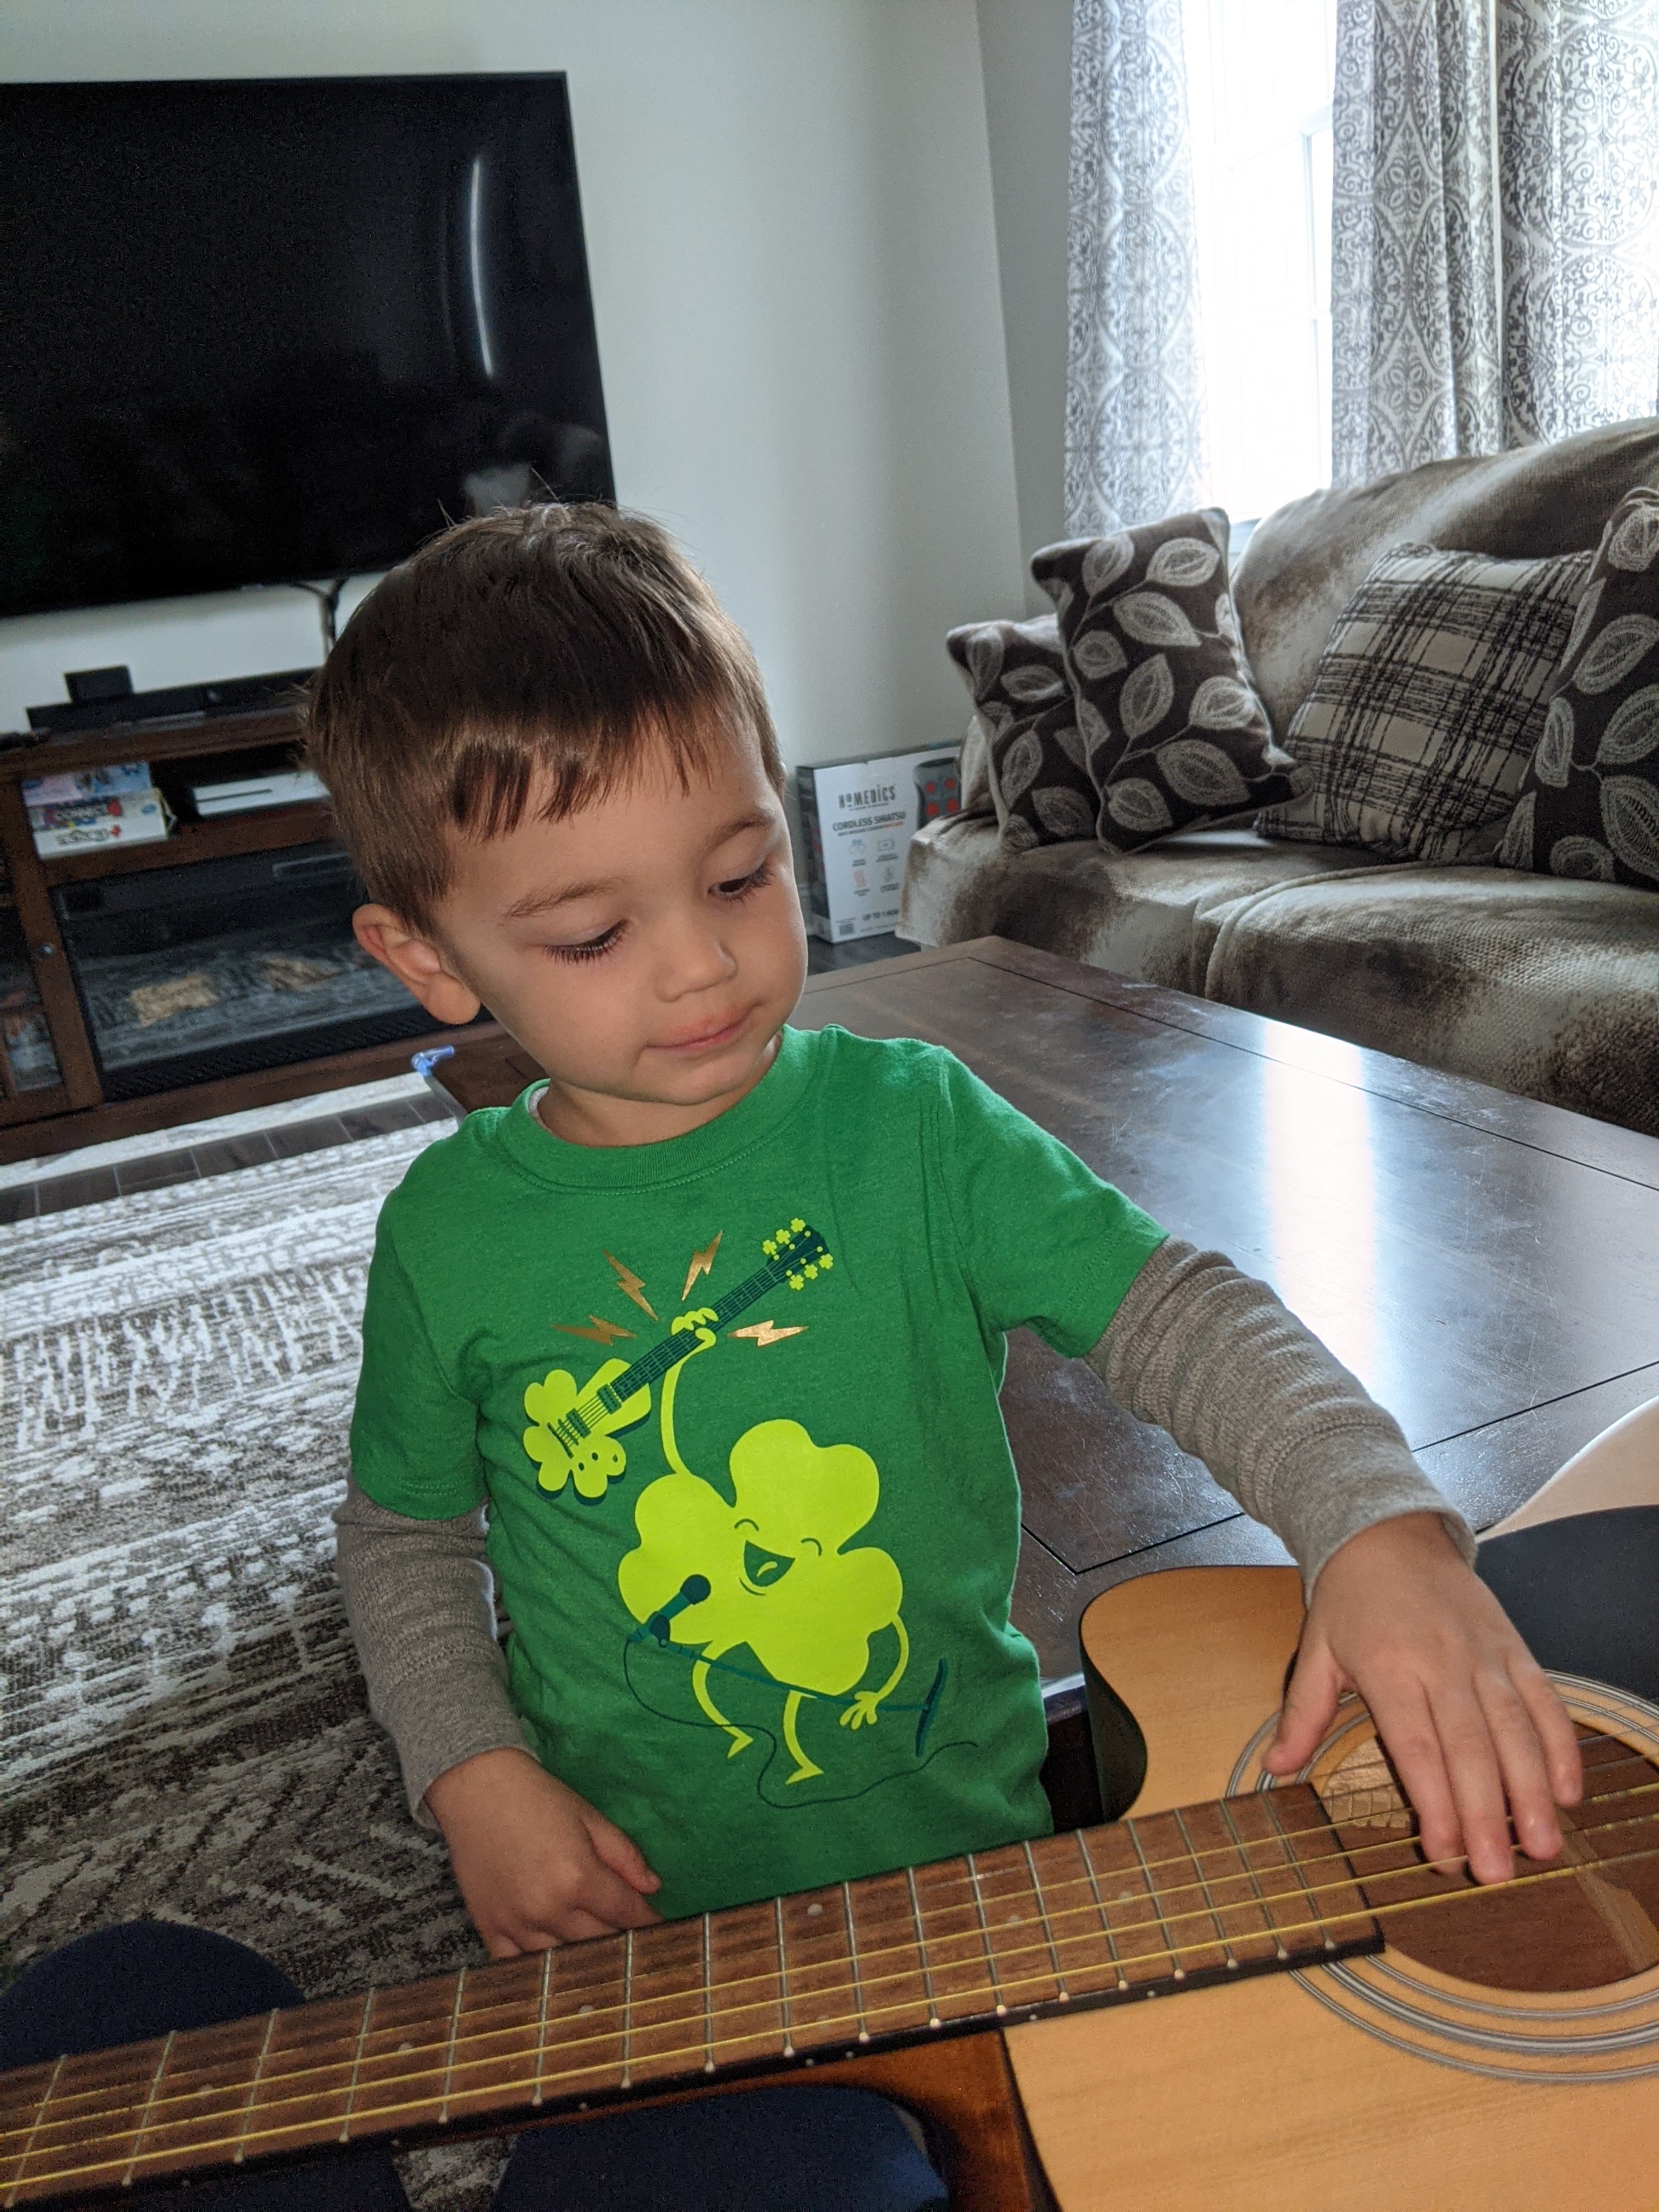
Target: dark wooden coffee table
<point>1487,1265</point>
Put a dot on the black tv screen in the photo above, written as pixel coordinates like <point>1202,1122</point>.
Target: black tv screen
<point>259,332</point>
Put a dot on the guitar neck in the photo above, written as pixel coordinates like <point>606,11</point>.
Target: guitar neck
<point>650,1366</point>
<point>1094,1917</point>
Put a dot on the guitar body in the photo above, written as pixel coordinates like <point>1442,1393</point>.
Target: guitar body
<point>591,1459</point>
<point>1505,2066</point>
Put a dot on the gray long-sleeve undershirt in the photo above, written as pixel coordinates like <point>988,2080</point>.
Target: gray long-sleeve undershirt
<point>1198,1348</point>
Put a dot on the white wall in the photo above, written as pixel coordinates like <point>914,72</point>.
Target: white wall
<point>790,228</point>
<point>1027,49</point>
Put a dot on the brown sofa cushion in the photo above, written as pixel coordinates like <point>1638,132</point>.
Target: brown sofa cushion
<point>1538,986</point>
<point>1174,736</point>
<point>1589,803</point>
<point>1149,915</point>
<point>1427,703</point>
<point>1039,783</point>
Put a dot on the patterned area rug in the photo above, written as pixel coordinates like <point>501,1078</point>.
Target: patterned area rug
<point>185,1735</point>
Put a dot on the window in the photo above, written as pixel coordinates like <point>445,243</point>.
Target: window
<point>1259,74</point>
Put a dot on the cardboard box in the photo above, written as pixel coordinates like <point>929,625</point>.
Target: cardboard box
<point>859,817</point>
<point>126,779</point>
<point>138,819</point>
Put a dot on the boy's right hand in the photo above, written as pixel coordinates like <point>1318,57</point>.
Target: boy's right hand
<point>536,1864</point>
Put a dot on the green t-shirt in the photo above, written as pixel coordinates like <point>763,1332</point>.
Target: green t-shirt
<point>758,1568</point>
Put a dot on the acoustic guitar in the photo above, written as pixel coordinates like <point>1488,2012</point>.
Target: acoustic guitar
<point>1333,2023</point>
<point>1490,2049</point>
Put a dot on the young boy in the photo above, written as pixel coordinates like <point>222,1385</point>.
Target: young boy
<point>695,1350</point>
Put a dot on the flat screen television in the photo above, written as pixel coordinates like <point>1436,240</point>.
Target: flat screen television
<point>260,332</point>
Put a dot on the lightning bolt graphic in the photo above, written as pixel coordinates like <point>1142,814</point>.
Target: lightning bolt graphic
<point>633,1286</point>
<point>763,1332</point>
<point>701,1263</point>
<point>602,1331</point>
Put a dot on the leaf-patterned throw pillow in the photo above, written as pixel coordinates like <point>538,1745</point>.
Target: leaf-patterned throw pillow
<point>1174,733</point>
<point>1039,781</point>
<point>1427,700</point>
<point>1589,801</point>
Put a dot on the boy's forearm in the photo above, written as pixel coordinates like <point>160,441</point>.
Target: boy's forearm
<point>420,1597</point>
<point>1213,1357</point>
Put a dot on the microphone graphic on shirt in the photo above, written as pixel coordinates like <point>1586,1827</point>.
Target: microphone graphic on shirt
<point>691,1591</point>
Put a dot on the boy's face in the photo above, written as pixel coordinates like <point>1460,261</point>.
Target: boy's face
<point>646,950</point>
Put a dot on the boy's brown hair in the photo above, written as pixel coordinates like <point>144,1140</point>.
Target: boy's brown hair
<point>546,652</point>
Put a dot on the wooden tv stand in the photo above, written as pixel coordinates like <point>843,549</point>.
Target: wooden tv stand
<point>74,1111</point>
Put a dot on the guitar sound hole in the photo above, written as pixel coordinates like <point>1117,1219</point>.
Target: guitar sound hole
<point>1579,1931</point>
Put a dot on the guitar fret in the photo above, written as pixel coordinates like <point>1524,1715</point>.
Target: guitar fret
<point>1187,1844</point>
<point>771,1981</point>
<point>1293,1862</point>
<point>852,1954</point>
<point>783,1980</point>
<point>356,2066</point>
<point>1177,1972</point>
<point>541,2024</point>
<point>1100,1907</point>
<point>1043,1916</point>
<point>449,2061</point>
<point>253,2087</point>
<point>922,1950</point>
<point>39,2116</point>
<point>628,2012</point>
<point>708,2000</point>
<point>149,2105</point>
<point>1243,1850</point>
<point>985,1937</point>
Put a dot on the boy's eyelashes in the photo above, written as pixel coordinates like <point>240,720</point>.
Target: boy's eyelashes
<point>593,949</point>
<point>733,891</point>
<point>740,887</point>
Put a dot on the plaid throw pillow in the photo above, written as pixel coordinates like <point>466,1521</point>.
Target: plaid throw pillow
<point>1427,703</point>
<point>1039,782</point>
<point>1589,803</point>
<point>1174,735</point>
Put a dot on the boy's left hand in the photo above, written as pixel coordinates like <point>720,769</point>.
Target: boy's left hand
<point>1465,1713</point>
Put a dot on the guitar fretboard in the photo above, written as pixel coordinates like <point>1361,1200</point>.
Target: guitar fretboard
<point>1171,1901</point>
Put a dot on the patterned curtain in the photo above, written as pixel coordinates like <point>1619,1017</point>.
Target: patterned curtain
<point>1134,400</point>
<point>1495,225</point>
<point>1414,246</point>
<point>1578,108</point>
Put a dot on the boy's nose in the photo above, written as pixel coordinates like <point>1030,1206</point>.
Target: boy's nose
<point>695,959</point>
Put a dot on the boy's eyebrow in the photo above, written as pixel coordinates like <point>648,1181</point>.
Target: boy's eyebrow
<point>556,895</point>
<point>755,819</point>
<point>544,902</point>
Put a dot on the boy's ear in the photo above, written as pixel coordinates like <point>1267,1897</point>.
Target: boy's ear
<point>418,964</point>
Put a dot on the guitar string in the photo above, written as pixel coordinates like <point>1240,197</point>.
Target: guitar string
<point>1164,1923</point>
<point>1149,1896</point>
<point>138,2157</point>
<point>574,2074</point>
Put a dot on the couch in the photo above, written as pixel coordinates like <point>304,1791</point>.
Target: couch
<point>1542,987</point>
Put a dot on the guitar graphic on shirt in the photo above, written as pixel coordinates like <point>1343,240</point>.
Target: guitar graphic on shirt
<point>573,1438</point>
